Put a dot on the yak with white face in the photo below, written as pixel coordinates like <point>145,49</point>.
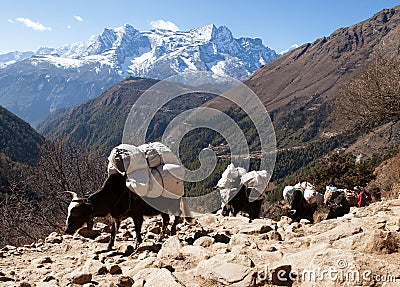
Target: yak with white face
<point>79,213</point>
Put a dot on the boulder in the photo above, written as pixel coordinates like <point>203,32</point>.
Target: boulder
<point>197,252</point>
<point>255,228</point>
<point>221,237</point>
<point>115,269</point>
<point>142,264</point>
<point>274,235</point>
<point>239,239</point>
<point>81,278</point>
<point>383,242</point>
<point>217,269</point>
<point>89,233</point>
<point>281,275</point>
<point>156,277</point>
<point>126,249</point>
<point>54,238</point>
<point>204,241</point>
<point>162,277</point>
<point>170,249</point>
<point>5,279</point>
<point>103,238</point>
<point>125,281</point>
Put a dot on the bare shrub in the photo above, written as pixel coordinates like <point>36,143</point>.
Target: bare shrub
<point>36,204</point>
<point>372,97</point>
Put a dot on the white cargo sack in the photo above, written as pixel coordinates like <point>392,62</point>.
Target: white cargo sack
<point>304,185</point>
<point>313,197</point>
<point>133,158</point>
<point>167,181</point>
<point>152,169</point>
<point>229,183</point>
<point>152,156</point>
<point>138,181</point>
<point>230,178</point>
<point>330,193</point>
<point>157,153</point>
<point>258,181</point>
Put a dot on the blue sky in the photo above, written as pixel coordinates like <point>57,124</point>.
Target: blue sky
<point>30,24</point>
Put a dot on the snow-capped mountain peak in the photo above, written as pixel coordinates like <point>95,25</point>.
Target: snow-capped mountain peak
<point>160,53</point>
<point>204,33</point>
<point>71,74</point>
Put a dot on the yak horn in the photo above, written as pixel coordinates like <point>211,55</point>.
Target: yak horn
<point>74,195</point>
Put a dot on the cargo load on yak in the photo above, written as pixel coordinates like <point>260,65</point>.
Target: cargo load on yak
<point>152,169</point>
<point>332,192</point>
<point>308,191</point>
<point>258,182</point>
<point>229,183</point>
<point>233,178</point>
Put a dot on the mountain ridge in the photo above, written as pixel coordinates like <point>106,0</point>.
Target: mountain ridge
<point>300,87</point>
<point>320,67</point>
<point>297,88</point>
<point>33,84</point>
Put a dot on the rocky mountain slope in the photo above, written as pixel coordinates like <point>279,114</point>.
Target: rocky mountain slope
<point>12,57</point>
<point>359,249</point>
<point>309,76</point>
<point>298,89</point>
<point>19,147</point>
<point>54,78</point>
<point>18,139</point>
<point>99,123</point>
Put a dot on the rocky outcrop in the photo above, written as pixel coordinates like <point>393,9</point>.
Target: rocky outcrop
<point>358,249</point>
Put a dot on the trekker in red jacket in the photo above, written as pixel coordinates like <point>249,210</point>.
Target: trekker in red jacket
<point>364,197</point>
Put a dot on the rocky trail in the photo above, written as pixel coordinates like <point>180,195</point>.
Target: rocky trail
<point>358,249</point>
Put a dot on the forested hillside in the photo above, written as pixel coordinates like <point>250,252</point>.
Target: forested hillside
<point>19,148</point>
<point>18,139</point>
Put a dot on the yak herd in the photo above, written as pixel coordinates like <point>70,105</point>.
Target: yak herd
<point>240,191</point>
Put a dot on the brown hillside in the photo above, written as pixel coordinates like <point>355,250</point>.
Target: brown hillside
<point>388,177</point>
<point>320,67</point>
<point>316,70</point>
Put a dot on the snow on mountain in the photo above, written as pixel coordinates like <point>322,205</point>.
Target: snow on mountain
<point>294,46</point>
<point>161,53</point>
<point>34,84</point>
<point>12,57</point>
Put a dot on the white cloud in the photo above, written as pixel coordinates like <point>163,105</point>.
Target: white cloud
<point>11,21</point>
<point>34,25</point>
<point>294,46</point>
<point>68,26</point>
<point>78,18</point>
<point>162,24</point>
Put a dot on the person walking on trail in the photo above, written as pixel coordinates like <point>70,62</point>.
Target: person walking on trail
<point>363,197</point>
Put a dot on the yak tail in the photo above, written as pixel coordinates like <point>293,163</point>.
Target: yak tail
<point>186,213</point>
